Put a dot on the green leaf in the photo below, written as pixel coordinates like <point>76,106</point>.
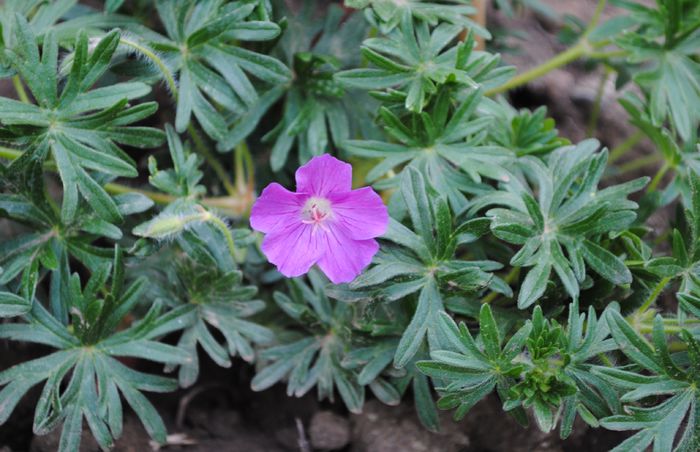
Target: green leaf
<point>414,192</point>
<point>424,322</point>
<point>534,284</point>
<point>12,305</point>
<point>605,263</point>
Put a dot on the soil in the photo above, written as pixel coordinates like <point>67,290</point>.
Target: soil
<point>221,414</point>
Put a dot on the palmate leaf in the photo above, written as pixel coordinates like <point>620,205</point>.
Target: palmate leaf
<point>569,215</point>
<point>415,60</point>
<point>671,424</point>
<point>388,13</point>
<point>213,301</point>
<point>681,157</point>
<point>541,366</point>
<point>183,179</point>
<point>529,132</point>
<point>374,355</point>
<point>83,379</point>
<point>423,263</point>
<point>446,143</point>
<point>202,48</point>
<point>60,17</point>
<point>586,339</point>
<point>466,370</point>
<point>318,113</point>
<point>314,357</point>
<point>684,262</point>
<point>80,128</point>
<point>665,38</point>
<point>48,241</point>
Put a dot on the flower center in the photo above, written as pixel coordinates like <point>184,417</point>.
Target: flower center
<point>316,211</point>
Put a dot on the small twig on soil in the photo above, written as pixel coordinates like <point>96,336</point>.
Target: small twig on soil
<point>303,442</point>
<point>187,398</point>
<point>174,439</point>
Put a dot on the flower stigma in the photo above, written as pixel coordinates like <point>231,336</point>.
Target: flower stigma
<point>316,211</point>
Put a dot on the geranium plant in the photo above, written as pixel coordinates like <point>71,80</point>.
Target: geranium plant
<point>440,245</point>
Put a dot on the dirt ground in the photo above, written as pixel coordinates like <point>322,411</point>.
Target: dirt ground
<point>200,419</point>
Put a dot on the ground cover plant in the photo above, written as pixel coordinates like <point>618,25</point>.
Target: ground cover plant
<point>343,196</point>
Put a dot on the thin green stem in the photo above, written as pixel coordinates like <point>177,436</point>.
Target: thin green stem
<point>636,164</point>
<point>223,228</point>
<point>559,60</point>
<point>663,237</point>
<point>199,144</point>
<point>509,278</point>
<point>19,87</point>
<point>151,55</point>
<point>158,198</point>
<point>9,154</point>
<point>596,17</point>
<point>202,149</point>
<point>622,148</point>
<point>582,48</point>
<point>605,360</point>
<point>658,177</point>
<point>228,205</point>
<point>243,162</point>
<point>653,295</point>
<point>668,329</point>
<point>595,111</point>
<point>608,55</point>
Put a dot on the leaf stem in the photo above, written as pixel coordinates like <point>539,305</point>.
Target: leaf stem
<point>595,111</point>
<point>19,87</point>
<point>606,55</point>
<point>639,163</point>
<point>243,163</point>
<point>118,189</point>
<point>234,207</point>
<point>223,228</point>
<point>653,295</point>
<point>658,177</point>
<point>203,150</point>
<point>509,278</point>
<point>582,48</point>
<point>151,55</point>
<point>199,143</point>
<point>622,148</point>
<point>559,60</point>
<point>596,17</point>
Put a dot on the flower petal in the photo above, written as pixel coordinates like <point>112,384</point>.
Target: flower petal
<point>294,247</point>
<point>323,175</point>
<point>361,212</point>
<point>275,207</point>
<point>345,258</point>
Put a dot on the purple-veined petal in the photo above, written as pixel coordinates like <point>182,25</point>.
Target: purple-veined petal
<point>361,212</point>
<point>323,175</point>
<point>345,258</point>
<point>294,247</point>
<point>276,207</point>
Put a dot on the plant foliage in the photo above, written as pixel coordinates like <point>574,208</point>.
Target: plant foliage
<point>515,262</point>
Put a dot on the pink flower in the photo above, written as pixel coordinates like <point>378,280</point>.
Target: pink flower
<point>325,222</point>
